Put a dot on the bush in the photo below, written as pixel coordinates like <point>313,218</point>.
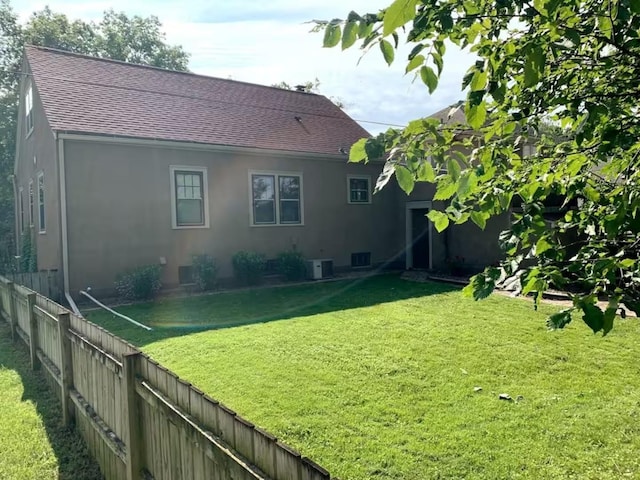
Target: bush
<point>205,272</point>
<point>292,265</point>
<point>141,283</point>
<point>249,267</point>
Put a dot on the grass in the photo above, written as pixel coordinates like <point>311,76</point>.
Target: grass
<point>375,380</point>
<point>33,444</point>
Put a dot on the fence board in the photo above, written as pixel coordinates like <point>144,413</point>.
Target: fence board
<point>183,433</point>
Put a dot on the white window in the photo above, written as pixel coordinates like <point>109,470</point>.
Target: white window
<point>41,203</point>
<point>28,110</point>
<point>21,208</point>
<point>528,150</point>
<point>359,189</point>
<point>189,197</point>
<point>276,198</point>
<point>31,204</point>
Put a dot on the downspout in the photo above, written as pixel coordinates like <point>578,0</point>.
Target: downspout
<point>63,228</point>
<point>14,182</point>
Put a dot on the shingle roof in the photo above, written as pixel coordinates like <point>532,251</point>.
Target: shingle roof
<point>453,114</point>
<point>90,95</point>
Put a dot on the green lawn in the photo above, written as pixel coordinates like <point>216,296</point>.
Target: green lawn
<point>375,379</point>
<point>33,445</point>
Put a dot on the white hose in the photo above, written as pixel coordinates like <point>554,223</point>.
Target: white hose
<point>124,317</point>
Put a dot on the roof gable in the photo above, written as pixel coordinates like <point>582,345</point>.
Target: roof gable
<point>85,94</point>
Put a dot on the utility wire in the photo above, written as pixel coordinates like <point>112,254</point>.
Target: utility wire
<point>201,99</point>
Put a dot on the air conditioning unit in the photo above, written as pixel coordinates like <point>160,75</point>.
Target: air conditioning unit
<point>319,268</point>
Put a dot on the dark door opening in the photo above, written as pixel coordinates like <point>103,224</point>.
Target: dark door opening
<point>420,237</point>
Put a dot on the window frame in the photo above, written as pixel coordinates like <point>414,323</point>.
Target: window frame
<point>359,177</point>
<point>21,209</point>
<point>276,174</point>
<point>42,206</point>
<point>31,203</point>
<point>28,110</point>
<point>173,169</point>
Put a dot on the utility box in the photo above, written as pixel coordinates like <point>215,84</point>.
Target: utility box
<point>318,269</point>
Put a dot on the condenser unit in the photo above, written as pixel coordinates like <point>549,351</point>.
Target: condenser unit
<point>319,268</point>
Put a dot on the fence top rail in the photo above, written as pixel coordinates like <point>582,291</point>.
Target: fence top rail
<point>45,313</point>
<point>96,348</point>
<point>208,435</point>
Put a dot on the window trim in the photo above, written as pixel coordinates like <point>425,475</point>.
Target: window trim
<point>42,214</point>
<point>205,194</point>
<point>28,114</point>
<point>21,209</point>
<point>276,174</point>
<point>31,202</point>
<point>359,177</point>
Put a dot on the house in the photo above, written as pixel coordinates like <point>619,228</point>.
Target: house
<point>121,165</point>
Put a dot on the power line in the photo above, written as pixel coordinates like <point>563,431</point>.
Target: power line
<point>211,101</point>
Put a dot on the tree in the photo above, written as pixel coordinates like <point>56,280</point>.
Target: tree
<point>571,64</point>
<point>117,36</point>
<point>309,87</point>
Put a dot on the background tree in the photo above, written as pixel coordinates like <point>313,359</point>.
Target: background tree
<point>312,86</point>
<point>569,63</point>
<point>117,36</point>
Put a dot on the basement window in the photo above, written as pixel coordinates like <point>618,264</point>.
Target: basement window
<point>361,259</point>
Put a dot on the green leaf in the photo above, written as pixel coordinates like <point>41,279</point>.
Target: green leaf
<point>593,317</point>
<point>533,66</point>
<point>429,78</point>
<point>479,219</point>
<point>349,35</point>
<point>608,318</point>
<point>358,153</point>
<point>476,115</point>
<point>397,14</point>
<point>478,81</point>
<point>542,245</point>
<point>405,178</point>
<point>440,220</point>
<point>387,51</point>
<point>559,320</point>
<point>483,284</point>
<point>415,63</point>
<point>426,172</point>
<point>453,169</point>
<point>437,59</point>
<point>332,35</point>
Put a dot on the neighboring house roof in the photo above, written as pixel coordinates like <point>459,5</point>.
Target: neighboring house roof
<point>84,94</point>
<point>453,114</point>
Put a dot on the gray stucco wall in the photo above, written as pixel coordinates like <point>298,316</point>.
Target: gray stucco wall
<point>119,211</point>
<point>41,146</point>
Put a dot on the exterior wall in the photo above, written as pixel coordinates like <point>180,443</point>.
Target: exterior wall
<point>41,145</point>
<point>119,211</point>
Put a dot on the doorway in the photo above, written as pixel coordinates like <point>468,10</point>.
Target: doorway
<point>418,236</point>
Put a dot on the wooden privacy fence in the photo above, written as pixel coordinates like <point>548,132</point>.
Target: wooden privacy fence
<point>45,282</point>
<point>139,419</point>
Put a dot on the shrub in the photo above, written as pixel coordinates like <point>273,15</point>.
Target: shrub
<point>141,283</point>
<point>291,264</point>
<point>249,267</point>
<point>205,272</point>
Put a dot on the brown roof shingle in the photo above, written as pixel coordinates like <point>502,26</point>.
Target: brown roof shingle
<point>90,95</point>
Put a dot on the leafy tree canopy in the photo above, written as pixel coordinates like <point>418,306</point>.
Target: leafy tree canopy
<point>561,74</point>
<point>117,36</point>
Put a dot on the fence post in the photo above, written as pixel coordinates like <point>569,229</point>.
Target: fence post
<point>66,369</point>
<point>33,330</point>
<point>13,317</point>
<point>132,433</point>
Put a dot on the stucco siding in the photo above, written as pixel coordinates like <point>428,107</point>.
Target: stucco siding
<point>119,211</point>
<point>37,154</point>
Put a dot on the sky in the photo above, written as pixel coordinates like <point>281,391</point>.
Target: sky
<point>269,41</point>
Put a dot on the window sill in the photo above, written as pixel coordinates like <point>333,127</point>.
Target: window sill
<point>277,225</point>
<point>359,203</point>
<point>189,227</point>
<point>43,232</point>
